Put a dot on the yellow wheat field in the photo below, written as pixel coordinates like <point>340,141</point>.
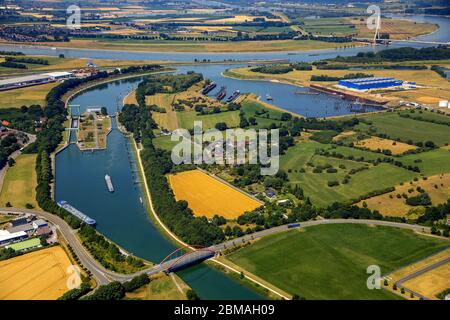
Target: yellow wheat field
<point>208,196</point>
<point>432,282</point>
<point>375,143</point>
<point>39,275</point>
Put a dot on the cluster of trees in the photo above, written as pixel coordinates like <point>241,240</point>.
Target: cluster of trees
<point>166,84</point>
<point>27,60</point>
<point>104,251</point>
<point>10,64</point>
<point>11,53</point>
<point>420,118</point>
<point>76,293</point>
<point>399,54</point>
<point>422,199</point>
<point>7,146</point>
<point>282,68</point>
<point>324,77</point>
<point>439,70</point>
<point>23,119</point>
<point>157,163</point>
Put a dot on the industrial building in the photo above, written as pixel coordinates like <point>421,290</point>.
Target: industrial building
<point>6,237</point>
<point>370,83</point>
<point>32,80</point>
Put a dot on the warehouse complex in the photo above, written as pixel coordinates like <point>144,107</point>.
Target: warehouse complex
<point>31,80</point>
<point>370,83</point>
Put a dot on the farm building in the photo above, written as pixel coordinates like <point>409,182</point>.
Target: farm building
<point>6,237</point>
<point>370,83</point>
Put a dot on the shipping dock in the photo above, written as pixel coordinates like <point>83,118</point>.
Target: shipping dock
<point>80,215</point>
<point>109,183</point>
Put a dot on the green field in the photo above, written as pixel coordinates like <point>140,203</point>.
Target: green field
<point>250,107</point>
<point>24,245</point>
<point>25,96</point>
<point>20,183</point>
<point>407,129</point>
<point>330,261</point>
<point>186,119</point>
<point>432,162</point>
<point>164,142</point>
<point>315,185</point>
<point>427,115</point>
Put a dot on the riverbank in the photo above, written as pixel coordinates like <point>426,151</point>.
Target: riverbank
<point>195,46</point>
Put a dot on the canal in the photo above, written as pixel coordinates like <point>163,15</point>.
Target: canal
<point>121,216</point>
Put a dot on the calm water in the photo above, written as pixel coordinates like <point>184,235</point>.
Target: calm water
<point>120,215</point>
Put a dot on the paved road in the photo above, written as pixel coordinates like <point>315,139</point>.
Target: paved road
<point>103,276</point>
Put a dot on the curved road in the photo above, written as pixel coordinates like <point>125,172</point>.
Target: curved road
<point>104,276</point>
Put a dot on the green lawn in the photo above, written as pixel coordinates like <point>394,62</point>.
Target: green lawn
<point>20,183</point>
<point>164,142</point>
<point>330,261</point>
<point>250,107</point>
<point>432,162</point>
<point>407,129</point>
<point>186,119</point>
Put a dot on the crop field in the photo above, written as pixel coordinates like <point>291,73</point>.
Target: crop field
<point>407,129</point>
<point>20,183</point>
<point>432,282</point>
<point>208,196</point>
<point>389,204</point>
<point>330,261</point>
<point>25,96</point>
<point>39,275</point>
<point>375,143</point>
<point>397,28</point>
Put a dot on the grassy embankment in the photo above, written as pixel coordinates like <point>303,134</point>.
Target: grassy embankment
<point>161,287</point>
<point>25,96</point>
<point>197,46</point>
<point>330,261</point>
<point>20,183</point>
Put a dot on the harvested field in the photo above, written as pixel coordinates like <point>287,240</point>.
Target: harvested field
<point>375,143</point>
<point>208,196</point>
<point>432,282</point>
<point>390,205</point>
<point>39,275</point>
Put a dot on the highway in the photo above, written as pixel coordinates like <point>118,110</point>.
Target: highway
<point>104,276</point>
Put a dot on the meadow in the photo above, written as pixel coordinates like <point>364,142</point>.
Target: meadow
<point>20,183</point>
<point>330,261</point>
<point>25,96</point>
<point>207,196</point>
<point>389,204</point>
<point>406,129</point>
<point>39,275</point>
<point>186,119</point>
<point>300,160</point>
<point>430,162</point>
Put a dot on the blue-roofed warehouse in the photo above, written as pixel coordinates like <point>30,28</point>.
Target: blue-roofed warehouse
<point>370,83</point>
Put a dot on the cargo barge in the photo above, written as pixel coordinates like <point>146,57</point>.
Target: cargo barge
<point>209,88</point>
<point>109,183</point>
<point>233,97</point>
<point>80,215</point>
<point>222,93</point>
